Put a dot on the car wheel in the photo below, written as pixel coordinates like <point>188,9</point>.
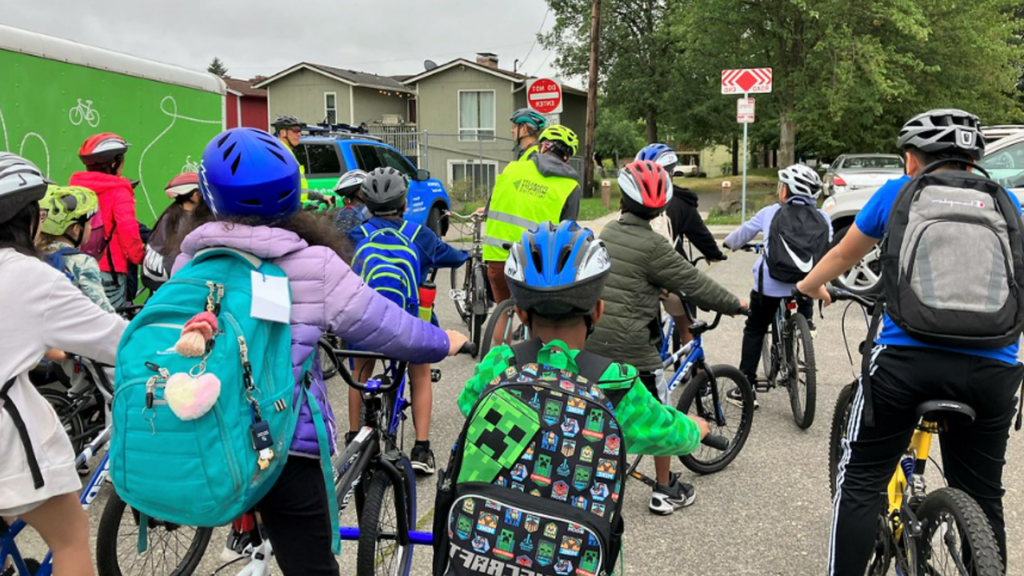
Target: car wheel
<point>435,221</point>
<point>864,278</point>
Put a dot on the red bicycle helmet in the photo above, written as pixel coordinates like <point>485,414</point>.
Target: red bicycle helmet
<point>646,187</point>
<point>182,184</point>
<point>102,148</point>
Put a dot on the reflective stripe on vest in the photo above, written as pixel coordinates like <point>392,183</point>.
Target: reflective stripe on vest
<point>303,184</point>
<point>522,199</point>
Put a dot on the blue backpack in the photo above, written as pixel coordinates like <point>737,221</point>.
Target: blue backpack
<point>56,259</point>
<point>388,262</point>
<point>209,470</point>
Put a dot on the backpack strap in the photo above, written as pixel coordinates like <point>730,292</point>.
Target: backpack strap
<point>591,366</point>
<point>325,459</point>
<point>526,352</point>
<point>402,231</point>
<point>19,425</point>
<point>208,253</point>
<point>865,363</point>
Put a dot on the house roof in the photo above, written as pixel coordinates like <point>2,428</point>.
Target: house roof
<point>244,88</point>
<point>350,77</point>
<point>513,77</point>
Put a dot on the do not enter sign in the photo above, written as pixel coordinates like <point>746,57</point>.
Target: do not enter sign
<point>544,95</point>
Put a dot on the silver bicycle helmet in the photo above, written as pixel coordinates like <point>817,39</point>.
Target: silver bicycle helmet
<point>384,191</point>
<point>946,133</point>
<point>801,179</point>
<point>21,184</point>
<point>350,183</point>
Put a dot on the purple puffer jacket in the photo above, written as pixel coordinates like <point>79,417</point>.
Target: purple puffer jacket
<point>327,296</point>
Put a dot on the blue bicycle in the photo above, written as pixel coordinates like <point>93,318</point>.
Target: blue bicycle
<point>704,390</point>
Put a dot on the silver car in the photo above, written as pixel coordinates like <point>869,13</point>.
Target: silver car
<point>1004,161</point>
<point>853,172</point>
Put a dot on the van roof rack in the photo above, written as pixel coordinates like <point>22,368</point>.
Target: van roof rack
<point>340,131</point>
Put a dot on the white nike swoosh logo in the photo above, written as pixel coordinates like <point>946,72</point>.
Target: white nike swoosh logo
<point>802,266</point>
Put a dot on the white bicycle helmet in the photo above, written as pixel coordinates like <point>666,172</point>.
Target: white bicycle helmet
<point>350,183</point>
<point>21,184</point>
<point>802,180</point>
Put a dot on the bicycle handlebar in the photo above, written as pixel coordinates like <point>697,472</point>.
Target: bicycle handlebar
<point>380,384</point>
<point>838,294</point>
<point>715,441</point>
<point>470,216</point>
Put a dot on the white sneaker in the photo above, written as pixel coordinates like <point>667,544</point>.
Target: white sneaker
<point>735,398</point>
<point>667,499</point>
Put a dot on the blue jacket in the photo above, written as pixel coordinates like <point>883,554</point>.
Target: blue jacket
<point>434,252</point>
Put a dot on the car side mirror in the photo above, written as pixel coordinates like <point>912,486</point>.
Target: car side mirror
<point>422,174</point>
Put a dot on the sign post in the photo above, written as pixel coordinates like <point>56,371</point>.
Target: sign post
<point>746,81</point>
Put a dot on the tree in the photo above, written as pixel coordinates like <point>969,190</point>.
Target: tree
<point>217,67</point>
<point>617,135</point>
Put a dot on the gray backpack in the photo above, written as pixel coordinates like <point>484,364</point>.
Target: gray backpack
<point>952,259</point>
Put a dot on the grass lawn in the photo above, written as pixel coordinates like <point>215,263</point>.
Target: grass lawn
<point>759,179</point>
<point>755,202</point>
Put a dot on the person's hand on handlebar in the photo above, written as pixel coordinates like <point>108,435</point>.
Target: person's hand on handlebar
<point>703,425</point>
<point>456,340</point>
<point>819,293</point>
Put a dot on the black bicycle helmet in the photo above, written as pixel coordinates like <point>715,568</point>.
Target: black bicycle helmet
<point>286,121</point>
<point>557,271</point>
<point>945,133</point>
<point>21,184</point>
<point>384,191</point>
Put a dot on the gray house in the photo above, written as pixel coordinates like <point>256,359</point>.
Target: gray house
<point>316,93</point>
<point>464,106</point>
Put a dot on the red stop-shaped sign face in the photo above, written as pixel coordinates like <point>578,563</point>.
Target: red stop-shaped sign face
<point>544,96</point>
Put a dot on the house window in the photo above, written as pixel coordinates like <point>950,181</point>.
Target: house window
<point>331,107</point>
<point>476,115</point>
<point>471,179</point>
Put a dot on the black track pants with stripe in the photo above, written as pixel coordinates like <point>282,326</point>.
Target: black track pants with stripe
<point>973,455</point>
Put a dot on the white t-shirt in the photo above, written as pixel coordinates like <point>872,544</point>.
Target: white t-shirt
<point>41,309</point>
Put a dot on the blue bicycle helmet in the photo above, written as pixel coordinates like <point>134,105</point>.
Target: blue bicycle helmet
<point>557,271</point>
<point>660,154</point>
<point>248,172</point>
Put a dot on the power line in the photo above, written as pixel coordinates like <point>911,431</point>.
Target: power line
<point>542,22</point>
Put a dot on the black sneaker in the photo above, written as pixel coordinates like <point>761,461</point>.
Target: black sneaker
<point>666,499</point>
<point>422,458</point>
<point>735,397</point>
<point>238,545</point>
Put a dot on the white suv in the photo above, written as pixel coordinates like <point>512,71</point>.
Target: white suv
<point>1004,160</point>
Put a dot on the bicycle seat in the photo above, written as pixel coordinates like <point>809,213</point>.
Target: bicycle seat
<point>698,327</point>
<point>938,410</point>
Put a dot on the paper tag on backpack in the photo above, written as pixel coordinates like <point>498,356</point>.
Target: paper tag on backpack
<point>270,298</point>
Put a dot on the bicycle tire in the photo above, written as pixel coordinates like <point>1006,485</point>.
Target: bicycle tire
<point>377,505</point>
<point>72,421</point>
<point>515,327</point>
<point>978,540</point>
<point>109,538</point>
<point>461,278</point>
<point>840,424</point>
<point>693,401</point>
<point>328,360</point>
<point>803,408</point>
<point>766,356</point>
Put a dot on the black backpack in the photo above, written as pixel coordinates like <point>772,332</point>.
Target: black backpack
<point>797,242</point>
<point>952,260</point>
<point>535,480</point>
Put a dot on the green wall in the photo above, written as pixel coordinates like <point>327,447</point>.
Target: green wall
<point>167,125</point>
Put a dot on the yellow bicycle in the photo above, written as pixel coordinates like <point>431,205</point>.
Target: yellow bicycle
<point>924,534</point>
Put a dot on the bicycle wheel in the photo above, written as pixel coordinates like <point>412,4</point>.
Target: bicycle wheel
<point>379,551</point>
<point>173,550</point>
<point>956,537</point>
<point>74,427</point>
<point>697,399</point>
<point>461,290</point>
<point>840,421</point>
<point>802,373</point>
<point>515,331</point>
<point>328,360</point>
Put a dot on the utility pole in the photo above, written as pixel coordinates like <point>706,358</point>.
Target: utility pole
<point>588,138</point>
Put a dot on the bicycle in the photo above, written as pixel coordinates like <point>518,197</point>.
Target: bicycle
<point>106,548</point>
<point>916,526</point>
<point>787,358</point>
<point>84,112</point>
<point>469,287</point>
<point>704,391</point>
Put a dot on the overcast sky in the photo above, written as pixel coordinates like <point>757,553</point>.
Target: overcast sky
<point>263,37</point>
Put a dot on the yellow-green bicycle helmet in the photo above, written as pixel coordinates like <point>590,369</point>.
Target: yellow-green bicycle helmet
<point>67,205</point>
<point>563,135</point>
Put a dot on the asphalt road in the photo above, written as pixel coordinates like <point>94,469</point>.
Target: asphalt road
<point>768,513</point>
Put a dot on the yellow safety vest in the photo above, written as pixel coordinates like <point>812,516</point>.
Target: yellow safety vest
<point>522,199</point>
<point>304,197</point>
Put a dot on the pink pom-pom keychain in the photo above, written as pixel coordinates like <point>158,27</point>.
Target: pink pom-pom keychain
<point>196,333</point>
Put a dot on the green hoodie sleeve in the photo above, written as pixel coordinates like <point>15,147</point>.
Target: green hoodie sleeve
<point>668,270</point>
<point>496,362</point>
<point>648,426</point>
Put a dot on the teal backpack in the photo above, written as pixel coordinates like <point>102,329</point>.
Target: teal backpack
<point>213,467</point>
<point>388,262</point>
